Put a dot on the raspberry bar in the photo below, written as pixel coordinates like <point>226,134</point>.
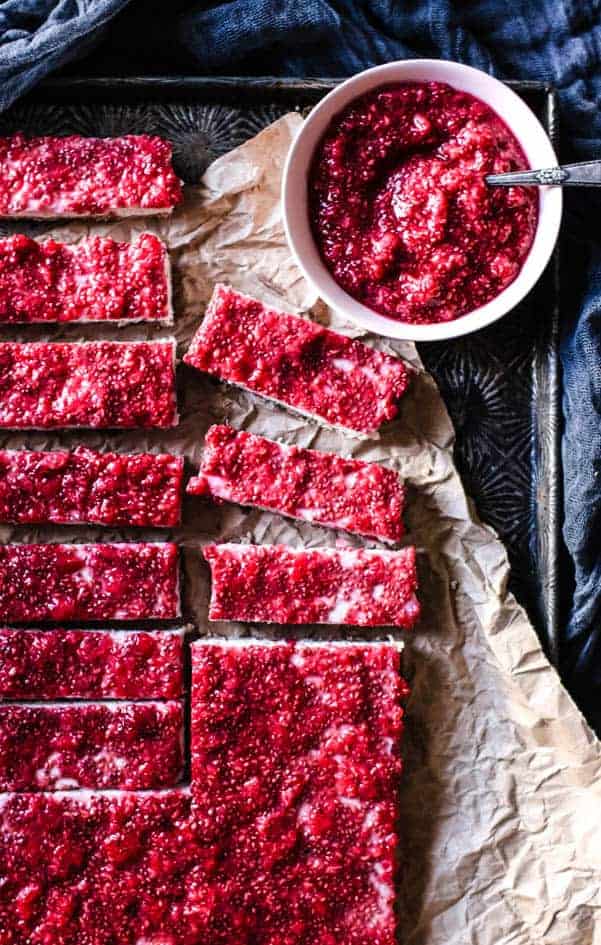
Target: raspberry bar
<point>316,487</point>
<point>90,664</point>
<point>295,768</point>
<point>91,745</point>
<point>97,280</point>
<point>277,584</point>
<point>107,869</point>
<point>133,581</point>
<point>82,486</point>
<point>96,384</point>
<point>297,363</point>
<point>72,176</point>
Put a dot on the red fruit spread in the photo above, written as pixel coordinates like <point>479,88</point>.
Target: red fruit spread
<point>399,206</point>
<point>96,280</point>
<point>74,176</point>
<point>101,384</point>
<point>119,581</point>
<point>289,834</point>
<point>103,745</point>
<point>297,363</point>
<point>278,584</point>
<point>315,487</point>
<point>295,769</point>
<point>82,486</point>
<point>100,869</point>
<point>90,664</point>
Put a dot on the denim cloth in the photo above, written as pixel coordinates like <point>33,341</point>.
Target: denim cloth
<point>558,41</point>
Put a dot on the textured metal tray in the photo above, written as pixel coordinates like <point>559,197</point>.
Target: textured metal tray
<point>501,385</point>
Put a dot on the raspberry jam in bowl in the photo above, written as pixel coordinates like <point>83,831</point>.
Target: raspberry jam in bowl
<point>400,209</point>
<point>387,210</point>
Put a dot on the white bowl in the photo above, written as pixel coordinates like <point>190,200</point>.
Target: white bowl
<point>514,112</point>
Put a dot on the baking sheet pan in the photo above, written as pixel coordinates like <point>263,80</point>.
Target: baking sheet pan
<point>502,773</point>
<point>501,385</point>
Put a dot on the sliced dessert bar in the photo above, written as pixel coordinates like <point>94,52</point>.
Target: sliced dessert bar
<point>72,176</point>
<point>91,745</point>
<point>278,584</point>
<point>82,486</point>
<point>316,487</point>
<point>96,280</point>
<point>107,868</point>
<point>96,384</point>
<point>296,761</point>
<point>118,581</point>
<point>91,664</point>
<point>297,363</point>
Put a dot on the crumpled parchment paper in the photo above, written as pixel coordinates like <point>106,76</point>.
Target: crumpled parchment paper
<point>501,800</point>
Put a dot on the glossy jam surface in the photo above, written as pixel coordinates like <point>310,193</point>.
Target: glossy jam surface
<point>316,487</point>
<point>100,870</point>
<point>288,834</point>
<point>84,486</point>
<point>120,581</point>
<point>95,280</point>
<point>76,176</point>
<point>90,664</point>
<point>295,770</point>
<point>401,212</point>
<point>278,584</point>
<point>298,363</point>
<point>97,384</point>
<point>119,745</point>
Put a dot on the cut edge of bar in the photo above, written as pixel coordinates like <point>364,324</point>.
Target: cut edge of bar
<point>116,213</point>
<point>243,642</point>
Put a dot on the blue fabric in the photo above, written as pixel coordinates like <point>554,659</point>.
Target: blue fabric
<point>37,36</point>
<point>558,41</point>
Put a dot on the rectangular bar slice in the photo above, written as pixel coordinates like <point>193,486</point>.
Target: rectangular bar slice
<point>296,763</point>
<point>72,176</point>
<point>105,868</point>
<point>91,664</point>
<point>118,581</point>
<point>90,745</point>
<point>95,384</point>
<point>278,584</point>
<point>295,362</point>
<point>96,280</point>
<point>365,498</point>
<point>81,486</point>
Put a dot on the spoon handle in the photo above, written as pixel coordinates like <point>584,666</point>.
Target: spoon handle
<point>587,174</point>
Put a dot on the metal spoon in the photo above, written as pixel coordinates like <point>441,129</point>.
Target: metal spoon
<point>587,174</point>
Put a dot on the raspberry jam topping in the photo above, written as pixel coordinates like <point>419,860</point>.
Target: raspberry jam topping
<point>83,486</point>
<point>75,176</point>
<point>288,833</point>
<point>401,212</point>
<point>95,280</point>
<point>86,869</point>
<point>97,384</point>
<point>316,487</point>
<point>278,584</point>
<point>296,362</point>
<point>90,664</point>
<point>118,745</point>
<point>295,770</point>
<point>133,581</point>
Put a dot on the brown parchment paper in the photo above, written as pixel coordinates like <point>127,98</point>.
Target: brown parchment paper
<point>501,801</point>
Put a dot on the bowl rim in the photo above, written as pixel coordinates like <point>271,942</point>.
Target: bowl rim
<point>298,229</point>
